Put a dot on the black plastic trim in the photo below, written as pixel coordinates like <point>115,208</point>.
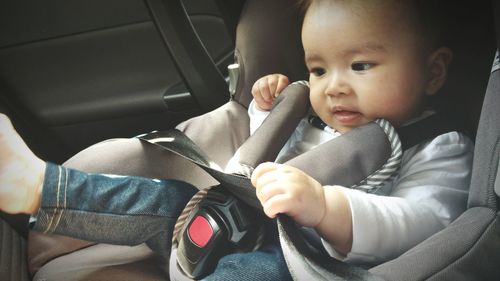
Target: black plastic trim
<point>197,69</point>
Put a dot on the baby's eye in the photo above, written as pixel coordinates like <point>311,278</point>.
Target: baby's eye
<point>361,66</point>
<point>317,71</point>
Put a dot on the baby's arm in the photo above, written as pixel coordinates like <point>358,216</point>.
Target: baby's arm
<point>288,190</point>
<point>430,191</point>
<point>21,172</point>
<point>267,89</point>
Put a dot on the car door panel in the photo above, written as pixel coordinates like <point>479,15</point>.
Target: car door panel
<point>90,76</point>
<point>91,70</point>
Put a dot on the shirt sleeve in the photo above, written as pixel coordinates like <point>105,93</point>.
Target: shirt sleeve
<point>256,115</point>
<point>429,192</point>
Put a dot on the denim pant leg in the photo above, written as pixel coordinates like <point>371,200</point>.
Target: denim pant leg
<point>111,209</point>
<point>267,263</point>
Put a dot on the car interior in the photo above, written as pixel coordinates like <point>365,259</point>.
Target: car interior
<point>76,74</point>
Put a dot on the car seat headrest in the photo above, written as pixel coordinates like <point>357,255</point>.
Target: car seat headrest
<point>268,42</point>
<point>471,38</point>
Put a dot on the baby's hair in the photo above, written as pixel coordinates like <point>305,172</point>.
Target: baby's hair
<point>432,18</point>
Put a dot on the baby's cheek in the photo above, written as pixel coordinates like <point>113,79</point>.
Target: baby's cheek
<point>395,109</point>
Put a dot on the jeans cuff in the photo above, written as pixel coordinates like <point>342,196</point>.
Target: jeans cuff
<point>53,199</point>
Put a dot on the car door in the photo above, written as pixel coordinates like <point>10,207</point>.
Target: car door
<point>73,73</point>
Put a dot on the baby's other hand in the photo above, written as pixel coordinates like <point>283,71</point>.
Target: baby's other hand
<point>288,190</point>
<point>267,89</point>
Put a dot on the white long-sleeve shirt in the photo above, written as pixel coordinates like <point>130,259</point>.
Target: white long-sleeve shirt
<point>428,193</point>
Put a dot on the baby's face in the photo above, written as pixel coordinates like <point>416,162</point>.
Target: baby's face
<point>365,63</point>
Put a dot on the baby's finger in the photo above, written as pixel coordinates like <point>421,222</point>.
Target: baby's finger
<point>261,170</point>
<point>262,104</point>
<point>257,96</point>
<point>282,83</point>
<point>278,204</point>
<point>272,83</point>
<point>265,179</point>
<point>265,92</point>
<point>265,192</point>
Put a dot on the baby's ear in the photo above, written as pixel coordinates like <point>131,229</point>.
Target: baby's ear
<point>437,66</point>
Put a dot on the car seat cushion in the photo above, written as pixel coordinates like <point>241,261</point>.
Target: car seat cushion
<point>12,255</point>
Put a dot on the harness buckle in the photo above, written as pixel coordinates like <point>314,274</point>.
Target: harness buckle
<point>219,225</point>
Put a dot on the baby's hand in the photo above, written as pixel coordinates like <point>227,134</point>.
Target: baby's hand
<point>21,172</point>
<point>267,89</point>
<point>288,190</point>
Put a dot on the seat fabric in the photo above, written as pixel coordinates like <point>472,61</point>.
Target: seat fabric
<point>13,255</point>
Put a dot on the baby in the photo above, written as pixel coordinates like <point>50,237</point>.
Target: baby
<point>367,60</point>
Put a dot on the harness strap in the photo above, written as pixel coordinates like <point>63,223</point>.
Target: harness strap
<point>305,262</point>
<point>265,144</point>
<point>342,159</point>
<point>427,128</point>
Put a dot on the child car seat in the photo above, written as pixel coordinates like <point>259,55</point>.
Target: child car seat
<point>258,27</point>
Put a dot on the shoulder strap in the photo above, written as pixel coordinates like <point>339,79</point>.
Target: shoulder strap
<point>426,129</point>
<point>265,144</point>
<point>343,158</point>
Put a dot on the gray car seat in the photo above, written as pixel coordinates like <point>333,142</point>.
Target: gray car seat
<point>469,249</point>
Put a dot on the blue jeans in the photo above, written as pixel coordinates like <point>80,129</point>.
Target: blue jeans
<point>128,210</point>
<point>267,263</point>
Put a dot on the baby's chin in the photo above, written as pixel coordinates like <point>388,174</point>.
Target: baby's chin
<point>345,129</point>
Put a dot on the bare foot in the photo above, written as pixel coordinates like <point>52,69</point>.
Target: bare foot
<point>21,172</point>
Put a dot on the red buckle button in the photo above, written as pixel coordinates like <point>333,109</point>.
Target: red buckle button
<point>200,231</point>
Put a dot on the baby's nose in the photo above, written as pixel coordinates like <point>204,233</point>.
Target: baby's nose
<point>337,85</point>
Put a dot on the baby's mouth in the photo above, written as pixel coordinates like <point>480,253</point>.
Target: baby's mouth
<point>345,116</point>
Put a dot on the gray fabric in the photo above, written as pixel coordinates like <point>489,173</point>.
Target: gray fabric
<point>306,265</point>
<point>136,158</point>
<point>335,159</point>
<point>481,262</point>
<point>227,126</point>
<point>268,42</point>
<point>178,143</point>
<point>374,182</point>
<point>220,132</point>
<point>440,250</point>
<point>487,152</point>
<point>104,262</point>
<point>175,272</point>
<point>265,144</point>
<point>13,265</point>
<point>352,151</point>
<point>497,181</point>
